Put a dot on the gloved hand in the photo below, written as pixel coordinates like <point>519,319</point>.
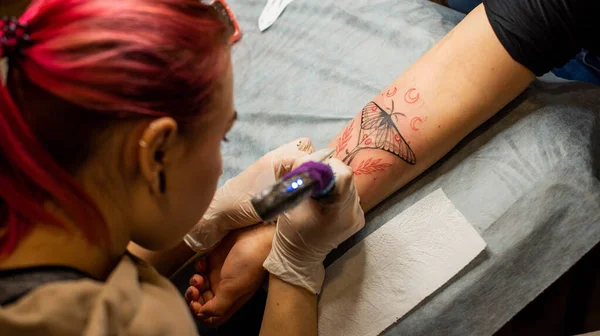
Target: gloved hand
<point>308,232</point>
<point>230,208</point>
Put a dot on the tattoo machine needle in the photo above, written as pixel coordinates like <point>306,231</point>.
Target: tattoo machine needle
<point>313,178</point>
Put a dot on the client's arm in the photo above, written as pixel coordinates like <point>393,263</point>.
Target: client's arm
<point>462,81</point>
<point>290,310</point>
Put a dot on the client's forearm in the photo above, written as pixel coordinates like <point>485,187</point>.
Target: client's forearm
<point>461,82</point>
<point>290,310</point>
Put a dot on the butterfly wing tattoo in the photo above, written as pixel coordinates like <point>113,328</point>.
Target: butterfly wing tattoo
<point>379,126</point>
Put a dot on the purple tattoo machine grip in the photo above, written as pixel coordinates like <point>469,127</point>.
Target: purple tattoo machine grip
<point>310,179</point>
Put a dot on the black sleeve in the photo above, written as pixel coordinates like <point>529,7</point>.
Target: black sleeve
<point>544,34</point>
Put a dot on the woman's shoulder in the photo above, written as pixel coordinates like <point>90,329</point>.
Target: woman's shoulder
<point>133,300</point>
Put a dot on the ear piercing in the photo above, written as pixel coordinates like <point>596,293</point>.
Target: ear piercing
<point>162,182</point>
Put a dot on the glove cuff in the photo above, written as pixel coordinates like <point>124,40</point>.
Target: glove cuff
<point>308,274</point>
<point>203,237</point>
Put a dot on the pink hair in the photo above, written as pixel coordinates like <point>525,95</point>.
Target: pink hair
<point>95,62</point>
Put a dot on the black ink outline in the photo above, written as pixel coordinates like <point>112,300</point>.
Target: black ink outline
<point>383,129</point>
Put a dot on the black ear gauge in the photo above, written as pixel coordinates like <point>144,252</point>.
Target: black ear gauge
<point>162,182</point>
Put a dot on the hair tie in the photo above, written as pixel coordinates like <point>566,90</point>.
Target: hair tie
<point>14,36</point>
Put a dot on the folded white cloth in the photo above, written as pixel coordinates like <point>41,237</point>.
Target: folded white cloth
<point>388,273</point>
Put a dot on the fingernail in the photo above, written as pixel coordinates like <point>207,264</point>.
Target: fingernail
<point>200,315</point>
<point>193,281</point>
<point>188,294</point>
<point>201,265</point>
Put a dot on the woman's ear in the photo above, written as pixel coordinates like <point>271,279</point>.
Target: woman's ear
<point>157,139</point>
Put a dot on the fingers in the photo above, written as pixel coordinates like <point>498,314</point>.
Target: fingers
<point>195,307</point>
<point>217,306</point>
<point>201,265</point>
<point>197,289</point>
<point>317,156</point>
<point>285,157</point>
<point>216,320</point>
<point>344,177</point>
<point>301,144</point>
<point>198,282</point>
<point>305,145</point>
<point>199,292</point>
<point>194,297</point>
<point>192,294</point>
<point>345,194</point>
<point>207,296</point>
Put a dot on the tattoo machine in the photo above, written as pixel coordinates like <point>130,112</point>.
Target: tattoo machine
<point>312,178</point>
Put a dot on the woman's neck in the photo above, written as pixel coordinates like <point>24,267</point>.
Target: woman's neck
<point>51,245</point>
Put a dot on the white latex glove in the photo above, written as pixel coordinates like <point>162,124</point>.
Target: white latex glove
<point>230,208</point>
<point>308,232</point>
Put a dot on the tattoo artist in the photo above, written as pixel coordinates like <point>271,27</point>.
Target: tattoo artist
<point>111,120</point>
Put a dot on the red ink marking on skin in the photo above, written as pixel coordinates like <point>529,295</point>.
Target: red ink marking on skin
<point>344,139</point>
<point>368,141</point>
<point>374,108</point>
<point>391,94</point>
<point>411,99</point>
<point>370,166</point>
<point>413,123</point>
<point>397,137</point>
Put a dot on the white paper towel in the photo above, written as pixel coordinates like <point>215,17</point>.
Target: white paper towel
<point>387,274</point>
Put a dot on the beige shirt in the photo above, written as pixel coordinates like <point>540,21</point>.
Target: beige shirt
<point>134,300</point>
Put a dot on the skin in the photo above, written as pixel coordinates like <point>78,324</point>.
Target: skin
<point>285,300</point>
<point>229,272</point>
<point>462,81</point>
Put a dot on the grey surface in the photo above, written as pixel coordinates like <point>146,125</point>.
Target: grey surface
<point>526,180</point>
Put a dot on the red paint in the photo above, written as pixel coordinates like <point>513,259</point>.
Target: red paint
<point>374,108</point>
<point>413,123</point>
<point>364,136</point>
<point>368,141</point>
<point>391,94</point>
<point>409,98</point>
<point>397,137</point>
